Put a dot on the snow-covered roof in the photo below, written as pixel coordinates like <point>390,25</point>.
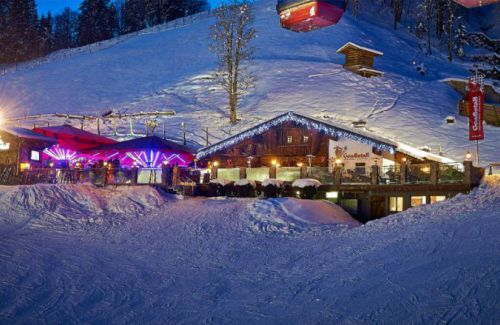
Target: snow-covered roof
<point>371,70</point>
<point>331,128</point>
<point>26,134</point>
<point>487,83</point>
<point>421,154</point>
<point>351,44</point>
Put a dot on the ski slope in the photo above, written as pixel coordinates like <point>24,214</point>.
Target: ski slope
<point>173,69</point>
<point>73,254</point>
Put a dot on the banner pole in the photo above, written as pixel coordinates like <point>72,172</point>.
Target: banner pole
<point>477,153</point>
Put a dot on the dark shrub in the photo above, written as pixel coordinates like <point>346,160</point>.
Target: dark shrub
<point>245,190</point>
<point>308,192</point>
<point>271,191</point>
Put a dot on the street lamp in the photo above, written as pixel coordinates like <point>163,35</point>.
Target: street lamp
<point>468,156</point>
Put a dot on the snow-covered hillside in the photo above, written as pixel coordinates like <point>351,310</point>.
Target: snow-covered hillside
<point>299,72</point>
<point>67,256</point>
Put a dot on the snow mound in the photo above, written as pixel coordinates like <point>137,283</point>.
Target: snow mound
<point>290,215</point>
<point>245,182</point>
<point>305,182</point>
<point>272,181</point>
<point>220,181</point>
<point>47,204</point>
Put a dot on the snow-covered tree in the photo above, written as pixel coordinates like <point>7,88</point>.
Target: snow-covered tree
<point>460,41</point>
<point>231,42</point>
<point>425,12</point>
<point>449,26</point>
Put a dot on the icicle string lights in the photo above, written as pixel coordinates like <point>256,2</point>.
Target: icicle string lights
<point>309,123</point>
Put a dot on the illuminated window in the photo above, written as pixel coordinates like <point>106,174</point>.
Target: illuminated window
<point>418,200</point>
<point>332,195</point>
<point>35,155</point>
<point>305,139</point>
<point>289,139</point>
<point>437,198</point>
<point>395,203</point>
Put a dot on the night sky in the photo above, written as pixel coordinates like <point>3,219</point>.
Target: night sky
<point>55,6</point>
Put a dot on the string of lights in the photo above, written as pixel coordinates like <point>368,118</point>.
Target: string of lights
<point>330,129</point>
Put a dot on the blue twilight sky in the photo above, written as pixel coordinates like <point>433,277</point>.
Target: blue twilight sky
<point>55,6</point>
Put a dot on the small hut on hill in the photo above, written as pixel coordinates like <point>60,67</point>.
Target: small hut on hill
<point>359,59</point>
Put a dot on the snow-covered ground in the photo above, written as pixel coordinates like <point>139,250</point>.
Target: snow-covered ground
<point>172,69</point>
<point>133,255</point>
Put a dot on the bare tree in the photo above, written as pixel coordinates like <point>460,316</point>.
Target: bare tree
<point>232,34</point>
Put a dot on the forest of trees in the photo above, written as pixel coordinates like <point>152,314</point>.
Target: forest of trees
<point>24,35</point>
<point>438,23</point>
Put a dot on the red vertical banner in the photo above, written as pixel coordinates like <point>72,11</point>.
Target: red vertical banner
<point>476,111</point>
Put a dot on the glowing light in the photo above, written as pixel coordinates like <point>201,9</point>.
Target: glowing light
<point>58,153</point>
<point>274,162</point>
<point>300,164</point>
<point>338,161</point>
<point>24,166</point>
<point>468,156</point>
<point>216,164</point>
<point>3,145</point>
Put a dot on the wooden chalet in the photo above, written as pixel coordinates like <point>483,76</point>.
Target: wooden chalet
<point>360,59</point>
<point>367,175</point>
<point>21,148</point>
<point>294,140</point>
<point>491,100</point>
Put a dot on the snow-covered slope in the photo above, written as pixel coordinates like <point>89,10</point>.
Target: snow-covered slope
<point>300,72</point>
<point>67,257</point>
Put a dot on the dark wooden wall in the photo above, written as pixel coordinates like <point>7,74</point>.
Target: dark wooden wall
<point>273,145</point>
<point>20,148</point>
<point>356,59</point>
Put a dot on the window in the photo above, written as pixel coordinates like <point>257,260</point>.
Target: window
<point>418,200</point>
<point>332,195</point>
<point>437,198</point>
<point>305,139</point>
<point>360,168</point>
<point>35,155</point>
<point>395,203</point>
<point>289,139</point>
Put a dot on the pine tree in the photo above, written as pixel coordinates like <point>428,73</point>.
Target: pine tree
<point>22,22</point>
<point>96,22</point>
<point>134,16</point>
<point>65,29</point>
<point>45,35</point>
<point>449,26</point>
<point>397,6</point>
<point>196,6</point>
<point>460,40</point>
<point>425,11</point>
<point>4,31</point>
